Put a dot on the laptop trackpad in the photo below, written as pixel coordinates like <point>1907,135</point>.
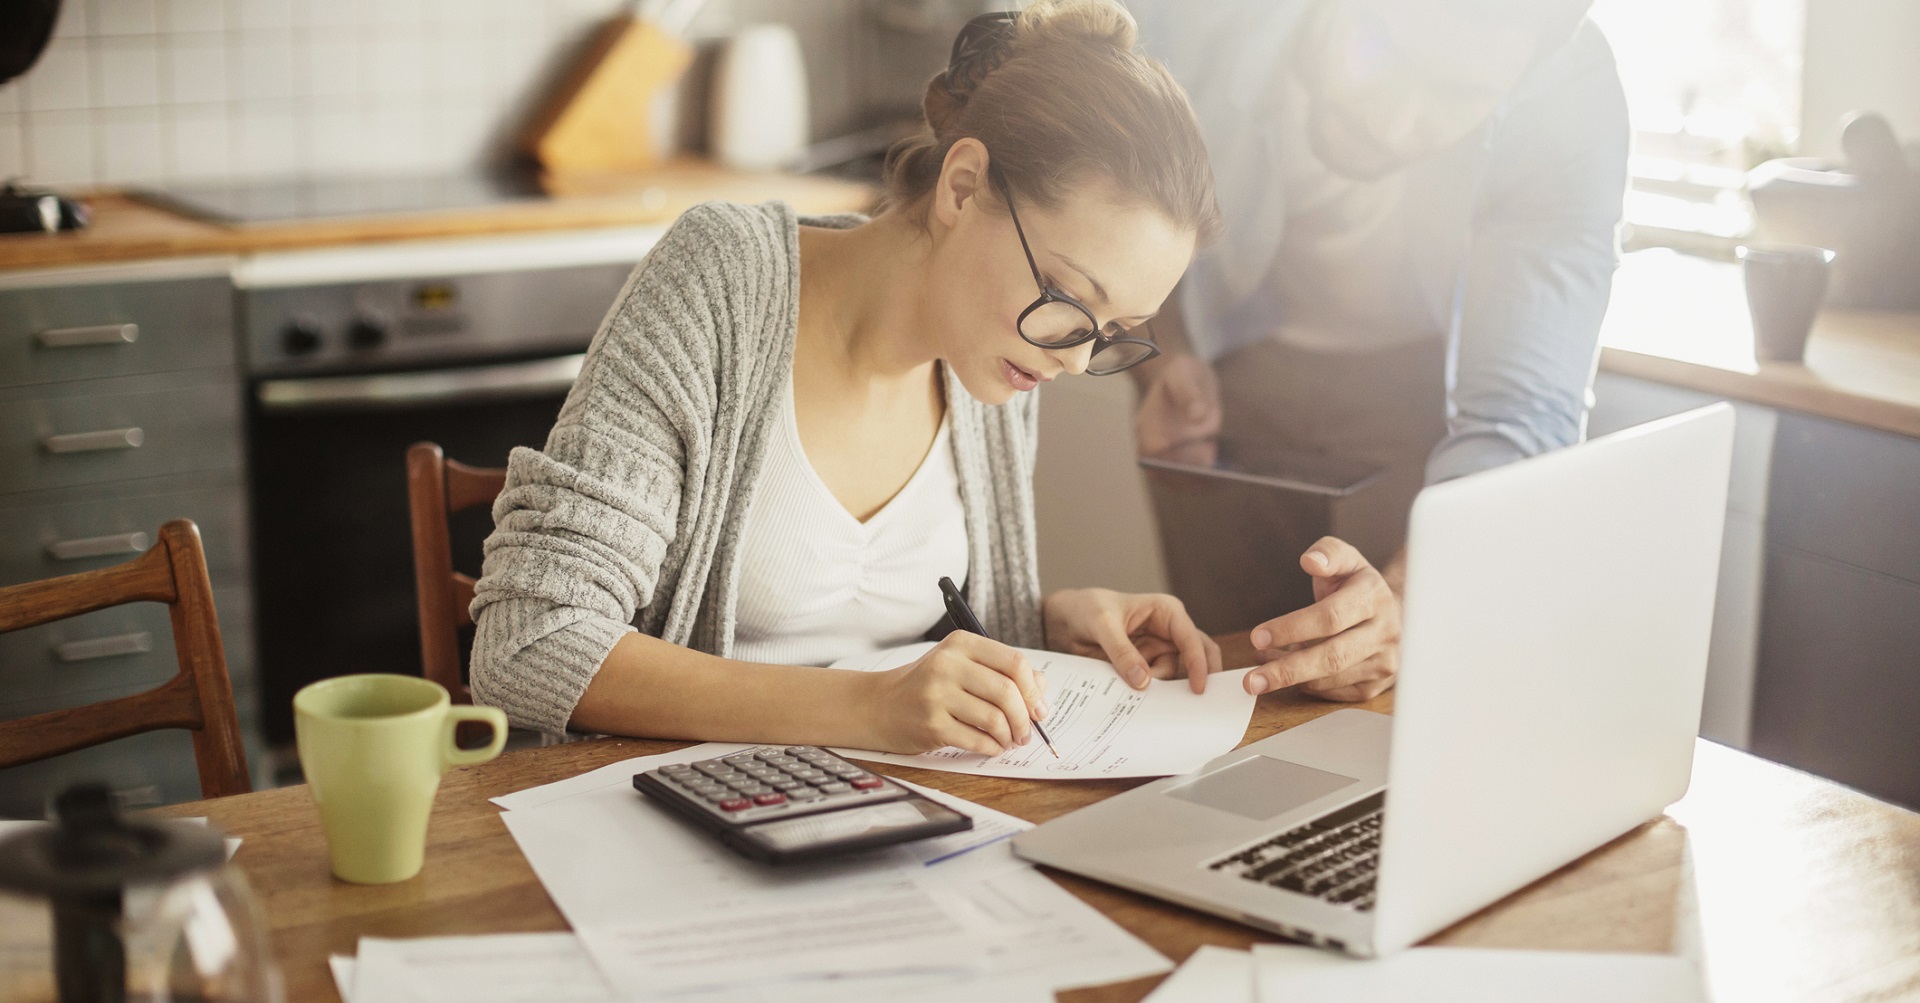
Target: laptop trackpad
<point>1260,788</point>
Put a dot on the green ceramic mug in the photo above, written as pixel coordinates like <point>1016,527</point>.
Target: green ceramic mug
<point>373,748</point>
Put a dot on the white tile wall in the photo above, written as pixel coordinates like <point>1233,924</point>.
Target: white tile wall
<point>160,90</point>
<point>157,90</point>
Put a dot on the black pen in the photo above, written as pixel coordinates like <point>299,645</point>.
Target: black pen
<point>963,618</point>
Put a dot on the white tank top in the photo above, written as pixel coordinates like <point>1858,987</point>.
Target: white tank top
<point>818,585</point>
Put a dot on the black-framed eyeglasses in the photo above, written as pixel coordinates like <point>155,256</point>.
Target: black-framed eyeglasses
<point>1056,320</point>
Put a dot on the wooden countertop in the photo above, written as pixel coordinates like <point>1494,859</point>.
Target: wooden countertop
<point>1683,321</point>
<point>1673,319</point>
<point>125,229</point>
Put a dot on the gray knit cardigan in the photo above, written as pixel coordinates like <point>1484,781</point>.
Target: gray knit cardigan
<point>630,518</point>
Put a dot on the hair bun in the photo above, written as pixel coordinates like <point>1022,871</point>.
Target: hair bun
<point>1078,21</point>
<point>991,39</point>
<point>939,104</point>
<point>981,46</point>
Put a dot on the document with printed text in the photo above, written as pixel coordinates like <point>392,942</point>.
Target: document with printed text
<point>662,910</point>
<point>1102,726</point>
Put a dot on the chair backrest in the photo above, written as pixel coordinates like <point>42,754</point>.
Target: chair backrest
<point>436,488</point>
<point>199,697</point>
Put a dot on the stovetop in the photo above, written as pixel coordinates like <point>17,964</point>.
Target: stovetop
<point>280,200</point>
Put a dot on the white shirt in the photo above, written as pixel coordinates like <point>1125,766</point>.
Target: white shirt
<point>818,585</point>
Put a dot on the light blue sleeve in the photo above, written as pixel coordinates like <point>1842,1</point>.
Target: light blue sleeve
<point>1539,268</point>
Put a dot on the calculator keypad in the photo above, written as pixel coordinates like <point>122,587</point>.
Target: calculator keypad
<point>771,782</point>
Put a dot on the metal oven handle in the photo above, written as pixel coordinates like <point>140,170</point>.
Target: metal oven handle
<point>137,643</point>
<point>538,378</point>
<point>98,546</point>
<point>102,334</point>
<point>94,442</point>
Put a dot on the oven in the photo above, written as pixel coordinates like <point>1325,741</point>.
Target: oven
<point>353,356</point>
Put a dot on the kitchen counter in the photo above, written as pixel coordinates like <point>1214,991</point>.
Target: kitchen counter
<point>125,229</point>
<point>1673,319</point>
<point>1683,321</point>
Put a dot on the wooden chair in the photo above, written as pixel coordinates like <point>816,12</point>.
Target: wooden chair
<point>437,488</point>
<point>199,697</point>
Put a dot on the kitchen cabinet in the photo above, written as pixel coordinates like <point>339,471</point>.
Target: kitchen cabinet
<point>1838,689</point>
<point>1815,660</point>
<point>120,408</point>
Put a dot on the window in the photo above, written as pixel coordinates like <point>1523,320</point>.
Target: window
<point>1713,87</point>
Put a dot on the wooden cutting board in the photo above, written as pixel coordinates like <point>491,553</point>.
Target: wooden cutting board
<point>600,119</point>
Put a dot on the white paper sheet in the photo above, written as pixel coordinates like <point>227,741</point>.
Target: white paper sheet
<point>1101,726</point>
<point>1041,930</point>
<point>998,989</point>
<point>341,965</point>
<point>612,860</point>
<point>602,807</point>
<point>497,968</point>
<point>1016,926</point>
<point>898,928</point>
<point>1210,975</point>
<point>1464,975</point>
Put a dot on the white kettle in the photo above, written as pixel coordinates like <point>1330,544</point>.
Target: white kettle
<point>758,111</point>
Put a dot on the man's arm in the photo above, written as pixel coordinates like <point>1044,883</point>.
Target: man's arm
<point>1180,412</point>
<point>1539,269</point>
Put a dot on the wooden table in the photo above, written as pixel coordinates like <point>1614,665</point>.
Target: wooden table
<point>1791,887</point>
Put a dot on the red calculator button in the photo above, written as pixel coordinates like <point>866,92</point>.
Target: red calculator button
<point>735,804</point>
<point>864,783</point>
<point>770,799</point>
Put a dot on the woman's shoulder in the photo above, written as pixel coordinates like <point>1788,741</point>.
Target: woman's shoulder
<point>716,288</point>
<point>717,260</point>
<point>730,236</point>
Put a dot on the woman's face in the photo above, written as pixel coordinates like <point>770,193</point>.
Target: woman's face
<point>1119,261</point>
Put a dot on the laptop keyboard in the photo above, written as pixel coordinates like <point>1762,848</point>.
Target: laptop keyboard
<point>1332,858</point>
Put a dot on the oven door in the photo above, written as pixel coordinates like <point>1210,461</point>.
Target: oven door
<point>333,545</point>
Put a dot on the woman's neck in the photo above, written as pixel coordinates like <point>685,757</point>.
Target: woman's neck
<point>861,292</point>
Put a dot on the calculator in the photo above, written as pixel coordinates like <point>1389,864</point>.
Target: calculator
<point>785,804</point>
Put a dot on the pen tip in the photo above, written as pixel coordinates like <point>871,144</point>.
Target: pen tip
<point>1056,752</point>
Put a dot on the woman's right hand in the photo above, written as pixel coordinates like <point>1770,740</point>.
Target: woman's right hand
<point>968,692</point>
<point>1180,412</point>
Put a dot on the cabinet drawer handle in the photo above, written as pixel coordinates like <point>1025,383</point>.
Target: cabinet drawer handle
<point>102,334</point>
<point>89,442</point>
<point>98,546</point>
<point>138,643</point>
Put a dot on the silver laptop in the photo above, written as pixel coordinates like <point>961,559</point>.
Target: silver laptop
<point>1552,664</point>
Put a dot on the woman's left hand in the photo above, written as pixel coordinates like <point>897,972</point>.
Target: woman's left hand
<point>1145,635</point>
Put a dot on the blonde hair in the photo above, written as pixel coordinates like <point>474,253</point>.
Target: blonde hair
<point>1061,98</point>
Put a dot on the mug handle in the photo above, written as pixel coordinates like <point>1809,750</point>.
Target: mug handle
<point>455,755</point>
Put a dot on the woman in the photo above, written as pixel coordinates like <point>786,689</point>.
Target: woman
<point>788,430</point>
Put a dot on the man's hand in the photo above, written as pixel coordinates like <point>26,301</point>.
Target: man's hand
<point>1179,415</point>
<point>1346,646</point>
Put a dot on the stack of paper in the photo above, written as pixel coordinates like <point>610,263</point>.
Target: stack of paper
<point>660,910</point>
<point>1101,726</point>
<point>1274,973</point>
